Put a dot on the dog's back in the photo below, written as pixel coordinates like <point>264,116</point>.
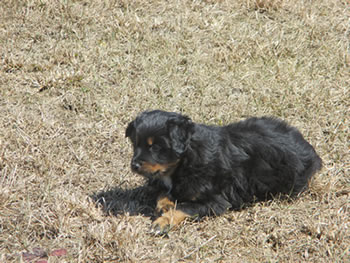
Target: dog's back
<point>280,159</point>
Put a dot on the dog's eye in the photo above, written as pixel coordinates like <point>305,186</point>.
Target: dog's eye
<point>155,147</point>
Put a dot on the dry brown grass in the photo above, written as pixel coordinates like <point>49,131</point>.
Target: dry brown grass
<point>74,73</point>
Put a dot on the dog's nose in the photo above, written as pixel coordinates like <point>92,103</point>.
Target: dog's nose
<point>135,166</point>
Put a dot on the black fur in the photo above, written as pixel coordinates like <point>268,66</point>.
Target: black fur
<point>209,169</point>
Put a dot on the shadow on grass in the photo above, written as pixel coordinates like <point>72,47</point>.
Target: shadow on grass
<point>118,201</point>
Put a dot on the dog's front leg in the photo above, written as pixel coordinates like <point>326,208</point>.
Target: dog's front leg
<point>173,214</point>
<point>164,204</point>
<point>169,216</point>
<point>163,224</point>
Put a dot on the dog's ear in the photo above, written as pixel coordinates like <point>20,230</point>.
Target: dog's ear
<point>180,129</point>
<point>130,129</point>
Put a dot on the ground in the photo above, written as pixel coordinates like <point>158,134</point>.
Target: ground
<point>74,73</point>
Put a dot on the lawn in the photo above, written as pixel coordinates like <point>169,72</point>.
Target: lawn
<point>74,73</point>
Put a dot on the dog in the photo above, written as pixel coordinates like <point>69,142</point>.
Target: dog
<point>199,170</point>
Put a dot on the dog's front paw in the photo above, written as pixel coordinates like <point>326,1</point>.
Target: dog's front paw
<point>163,224</point>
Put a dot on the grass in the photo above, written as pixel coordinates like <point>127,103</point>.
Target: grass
<point>74,73</point>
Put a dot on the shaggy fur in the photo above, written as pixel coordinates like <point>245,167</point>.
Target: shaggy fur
<point>201,170</point>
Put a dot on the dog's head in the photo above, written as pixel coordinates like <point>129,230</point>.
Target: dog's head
<point>159,139</point>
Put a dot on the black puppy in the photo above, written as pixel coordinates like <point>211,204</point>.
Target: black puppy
<point>200,170</point>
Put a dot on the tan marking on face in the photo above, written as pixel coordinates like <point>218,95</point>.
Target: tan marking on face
<point>150,141</point>
<point>153,168</point>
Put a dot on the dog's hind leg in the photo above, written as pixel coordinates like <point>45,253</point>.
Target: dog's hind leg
<point>214,206</point>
